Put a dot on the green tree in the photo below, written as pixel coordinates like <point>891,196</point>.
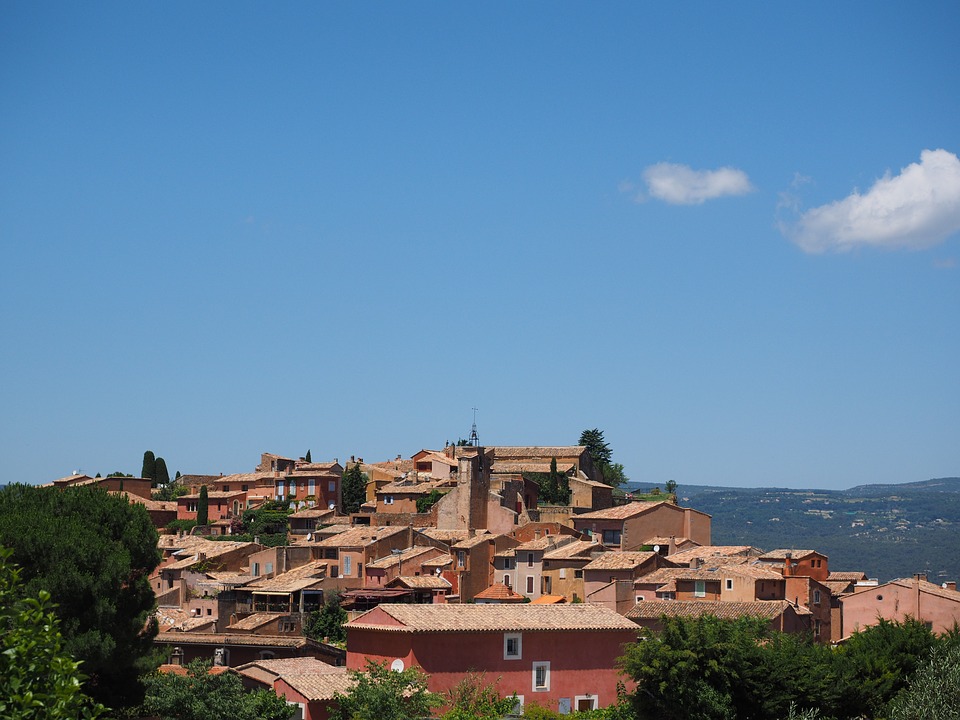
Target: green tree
<point>198,695</point>
<point>671,487</point>
<point>353,489</point>
<point>38,679</point>
<point>160,474</point>
<point>307,456</point>
<point>93,553</point>
<point>149,465</point>
<point>203,507</point>
<point>934,690</point>
<point>610,472</point>
<point>383,694</point>
<point>474,698</point>
<point>875,664</point>
<point>328,622</point>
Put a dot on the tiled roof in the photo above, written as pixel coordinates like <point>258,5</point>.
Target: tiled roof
<point>545,543</point>
<point>422,582</point>
<point>312,512</point>
<point>233,639</point>
<point>840,587</point>
<point>502,451</point>
<point>360,536</point>
<point>705,552</point>
<point>852,576</point>
<point>591,483</point>
<point>500,592</point>
<point>392,560</point>
<point>927,587</point>
<point>214,495</point>
<point>654,609</point>
<point>445,536</point>
<point>621,512</point>
<point>615,560</point>
<point>549,600</point>
<point>664,575</point>
<point>190,556</point>
<point>298,578</point>
<point>488,617</point>
<point>575,549</point>
<point>781,554</point>
<point>479,539</point>
<point>404,487</point>
<point>531,467</point>
<point>320,685</point>
<point>254,621</point>
<point>148,503</point>
<point>178,619</point>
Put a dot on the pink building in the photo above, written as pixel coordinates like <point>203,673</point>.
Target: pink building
<point>561,657</point>
<point>938,606</point>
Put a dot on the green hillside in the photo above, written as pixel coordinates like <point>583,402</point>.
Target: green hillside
<point>887,531</point>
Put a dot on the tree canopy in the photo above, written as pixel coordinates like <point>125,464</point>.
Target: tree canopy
<point>353,489</point>
<point>198,695</point>
<point>379,693</point>
<point>149,465</point>
<point>93,553</point>
<point>203,506</point>
<point>327,623</point>
<point>599,450</point>
<point>38,679</point>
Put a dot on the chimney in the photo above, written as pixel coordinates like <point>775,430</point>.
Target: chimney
<point>787,564</point>
<point>695,563</point>
<point>920,576</point>
<point>352,459</point>
<point>536,534</point>
<point>672,547</point>
<point>952,586</point>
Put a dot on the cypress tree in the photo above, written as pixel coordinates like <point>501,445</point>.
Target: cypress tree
<point>149,466</point>
<point>160,474</point>
<point>203,507</point>
<point>307,456</point>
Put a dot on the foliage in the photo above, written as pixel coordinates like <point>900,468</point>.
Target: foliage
<point>671,487</point>
<point>328,622</point>
<point>178,526</point>
<point>428,501</point>
<point>353,489</point>
<point>934,690</point>
<point>265,539</point>
<point>93,552</point>
<point>203,507</point>
<point>383,694</point>
<point>160,474</point>
<point>307,457</point>
<point>170,491</point>
<point>118,474</point>
<point>149,465</point>
<point>198,695</point>
<point>473,698</point>
<point>553,487</point>
<point>38,679</point>
<point>599,450</point>
<point>876,662</point>
<point>271,518</point>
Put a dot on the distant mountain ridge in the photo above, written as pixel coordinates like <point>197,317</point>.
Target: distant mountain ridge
<point>885,530</point>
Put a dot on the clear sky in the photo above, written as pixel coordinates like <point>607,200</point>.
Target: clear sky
<point>728,235</point>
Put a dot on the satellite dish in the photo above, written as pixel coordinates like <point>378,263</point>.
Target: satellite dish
<point>656,548</point>
<point>438,571</point>
<point>397,665</point>
<point>332,506</point>
<point>309,536</point>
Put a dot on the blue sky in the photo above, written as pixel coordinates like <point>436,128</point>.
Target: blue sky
<point>728,236</point>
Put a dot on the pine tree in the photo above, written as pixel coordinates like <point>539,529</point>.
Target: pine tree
<point>149,466</point>
<point>203,507</point>
<point>160,474</point>
<point>307,457</point>
<point>353,489</point>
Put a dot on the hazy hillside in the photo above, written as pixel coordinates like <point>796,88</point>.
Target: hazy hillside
<point>886,531</point>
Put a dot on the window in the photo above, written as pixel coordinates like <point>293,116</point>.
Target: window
<point>226,488</point>
<point>547,584</point>
<point>585,702</point>
<point>347,565</point>
<point>506,580</point>
<point>311,487</point>
<point>816,628</point>
<point>816,597</point>
<point>700,588</point>
<point>256,569</point>
<point>529,584</point>
<point>267,655</point>
<point>611,537</point>
<point>461,558</point>
<point>529,559</point>
<point>244,487</point>
<point>729,584</point>
<point>541,676</point>
<point>508,563</point>
<point>578,574</point>
<point>209,611</point>
<point>267,568</point>
<point>388,500</point>
<point>280,489</point>
<point>512,646</point>
<point>639,598</point>
<point>332,486</point>
<point>563,573</point>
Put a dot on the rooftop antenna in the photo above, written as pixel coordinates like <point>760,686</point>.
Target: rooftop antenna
<point>474,438</point>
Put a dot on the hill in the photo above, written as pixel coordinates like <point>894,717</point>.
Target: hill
<point>887,531</point>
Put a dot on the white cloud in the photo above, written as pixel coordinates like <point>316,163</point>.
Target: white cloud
<point>682,185</point>
<point>916,209</point>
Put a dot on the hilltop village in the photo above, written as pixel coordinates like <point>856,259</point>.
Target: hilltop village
<point>453,561</point>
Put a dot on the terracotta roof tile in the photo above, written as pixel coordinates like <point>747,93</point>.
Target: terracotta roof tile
<point>360,536</point>
<point>654,609</point>
<point>496,618</point>
<point>499,592</point>
<point>252,622</point>
<point>621,512</point>
<point>615,560</point>
<point>781,554</point>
